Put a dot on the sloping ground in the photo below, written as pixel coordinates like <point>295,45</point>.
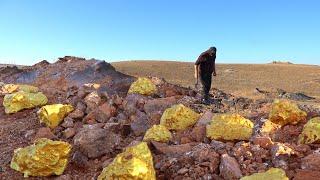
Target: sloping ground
<point>107,119</point>
<point>239,79</point>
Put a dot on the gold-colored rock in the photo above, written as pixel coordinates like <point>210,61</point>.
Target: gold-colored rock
<point>11,88</point>
<point>284,112</point>
<point>53,114</point>
<point>44,158</point>
<point>272,173</point>
<point>23,100</point>
<point>268,128</point>
<point>143,86</point>
<point>229,127</point>
<point>311,132</point>
<point>134,163</point>
<point>158,133</point>
<point>92,85</point>
<point>179,117</point>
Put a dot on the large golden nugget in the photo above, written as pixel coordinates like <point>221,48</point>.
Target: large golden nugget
<point>229,127</point>
<point>179,117</point>
<point>311,132</point>
<point>284,112</point>
<point>53,114</point>
<point>135,163</point>
<point>44,158</point>
<point>272,174</point>
<point>158,133</point>
<point>143,86</point>
<point>23,100</point>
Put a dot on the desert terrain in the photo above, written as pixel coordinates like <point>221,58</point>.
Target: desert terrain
<point>108,118</point>
<point>238,79</point>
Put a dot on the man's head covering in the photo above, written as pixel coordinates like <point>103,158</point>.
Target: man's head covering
<point>213,49</point>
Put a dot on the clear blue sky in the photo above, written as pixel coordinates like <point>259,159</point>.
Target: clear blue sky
<point>244,31</point>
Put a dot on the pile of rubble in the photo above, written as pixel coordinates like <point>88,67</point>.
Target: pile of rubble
<point>150,129</point>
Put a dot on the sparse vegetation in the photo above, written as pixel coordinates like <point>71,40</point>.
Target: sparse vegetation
<point>242,80</point>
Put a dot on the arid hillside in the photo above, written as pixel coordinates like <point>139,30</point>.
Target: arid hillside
<point>239,79</point>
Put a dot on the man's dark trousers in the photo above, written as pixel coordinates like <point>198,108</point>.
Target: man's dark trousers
<point>206,84</point>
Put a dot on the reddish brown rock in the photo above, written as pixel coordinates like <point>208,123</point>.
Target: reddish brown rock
<point>198,133</point>
<point>303,149</point>
<point>64,177</point>
<point>81,106</point>
<point>76,114</point>
<point>92,101</point>
<point>201,162</point>
<point>90,118</point>
<point>205,118</point>
<point>263,141</point>
<point>306,175</point>
<point>172,149</point>
<point>185,140</point>
<point>134,102</point>
<point>67,122</point>
<point>205,155</point>
<point>229,167</point>
<point>44,132</point>
<point>69,133</point>
<point>79,159</point>
<point>154,108</point>
<point>311,162</point>
<point>105,112</point>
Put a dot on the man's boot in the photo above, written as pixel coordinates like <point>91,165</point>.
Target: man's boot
<point>206,99</point>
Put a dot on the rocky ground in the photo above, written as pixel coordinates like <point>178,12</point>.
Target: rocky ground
<point>106,120</point>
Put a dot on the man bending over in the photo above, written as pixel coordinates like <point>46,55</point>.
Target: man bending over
<point>205,68</point>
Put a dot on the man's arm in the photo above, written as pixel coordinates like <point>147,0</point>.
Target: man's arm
<point>196,71</point>
<point>214,67</point>
<point>197,65</point>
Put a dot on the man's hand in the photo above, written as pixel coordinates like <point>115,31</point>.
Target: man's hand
<point>214,74</point>
<point>196,84</point>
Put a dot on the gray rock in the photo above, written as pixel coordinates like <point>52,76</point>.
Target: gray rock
<point>67,122</point>
<point>140,124</point>
<point>95,142</point>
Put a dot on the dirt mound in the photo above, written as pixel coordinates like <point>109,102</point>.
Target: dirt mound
<point>106,120</point>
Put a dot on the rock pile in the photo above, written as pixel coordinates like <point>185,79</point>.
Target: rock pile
<point>153,130</point>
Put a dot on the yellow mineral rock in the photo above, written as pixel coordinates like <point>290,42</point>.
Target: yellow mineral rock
<point>11,88</point>
<point>284,112</point>
<point>44,158</point>
<point>158,133</point>
<point>179,117</point>
<point>311,132</point>
<point>268,128</point>
<point>143,86</point>
<point>53,114</point>
<point>23,100</point>
<point>229,127</point>
<point>272,173</point>
<point>134,163</point>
